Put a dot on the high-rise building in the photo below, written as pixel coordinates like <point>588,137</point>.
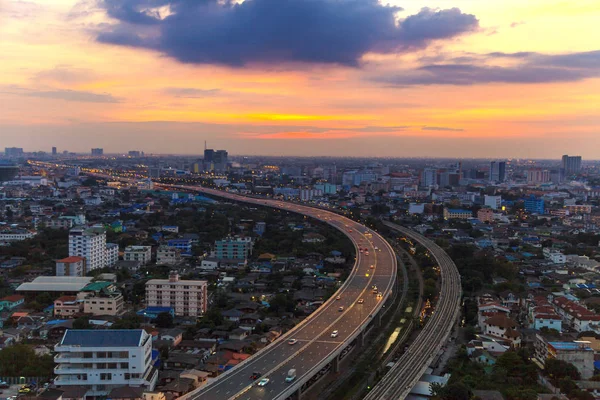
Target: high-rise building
<point>493,202</point>
<point>102,360</point>
<point>97,152</point>
<point>89,243</point>
<point>538,175</point>
<point>571,164</point>
<point>54,151</point>
<point>187,298</point>
<point>220,161</point>
<point>429,177</point>
<point>13,152</point>
<point>534,205</point>
<point>134,153</point>
<point>498,171</point>
<point>238,248</point>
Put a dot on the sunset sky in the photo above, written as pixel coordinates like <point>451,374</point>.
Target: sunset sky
<point>464,78</point>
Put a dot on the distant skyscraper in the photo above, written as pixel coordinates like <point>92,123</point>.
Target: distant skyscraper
<point>497,171</point>
<point>538,175</point>
<point>98,152</point>
<point>54,151</point>
<point>429,177</point>
<point>220,160</point>
<point>134,153</point>
<point>13,151</point>
<point>571,164</point>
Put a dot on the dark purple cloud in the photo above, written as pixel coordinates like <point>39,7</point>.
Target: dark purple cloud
<point>277,31</point>
<point>529,68</point>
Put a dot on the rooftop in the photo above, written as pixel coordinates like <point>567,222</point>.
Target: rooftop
<point>103,338</point>
<point>71,259</point>
<point>571,345</point>
<point>55,284</point>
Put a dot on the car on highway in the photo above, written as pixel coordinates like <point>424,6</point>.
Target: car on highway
<point>292,341</point>
<point>360,301</point>
<point>255,375</point>
<point>338,298</point>
<point>334,334</point>
<point>372,266</point>
<point>341,309</point>
<point>263,382</point>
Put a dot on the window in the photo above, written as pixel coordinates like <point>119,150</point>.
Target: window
<point>88,355</point>
<point>101,354</point>
<point>127,376</point>
<point>125,365</point>
<point>106,377</point>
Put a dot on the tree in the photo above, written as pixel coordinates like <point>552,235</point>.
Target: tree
<point>21,360</point>
<point>559,369</point>
<point>82,323</point>
<point>164,320</point>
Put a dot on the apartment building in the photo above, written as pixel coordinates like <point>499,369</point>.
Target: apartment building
<point>452,213</point>
<point>112,254</point>
<point>104,304</point>
<point>485,215</point>
<point>239,248</point>
<point>71,266</point>
<point>101,360</point>
<point>89,243</point>
<point>142,254</point>
<point>187,297</point>
<point>166,255</point>
<point>67,306</point>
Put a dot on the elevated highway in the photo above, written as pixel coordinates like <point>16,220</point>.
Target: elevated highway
<point>399,380</point>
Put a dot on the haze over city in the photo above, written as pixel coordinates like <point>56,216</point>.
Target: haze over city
<point>356,78</point>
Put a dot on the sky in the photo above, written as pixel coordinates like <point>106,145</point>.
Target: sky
<point>399,78</point>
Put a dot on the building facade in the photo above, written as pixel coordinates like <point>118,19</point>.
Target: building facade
<point>101,360</point>
<point>89,243</point>
<point>451,213</point>
<point>71,266</point>
<point>233,248</point>
<point>143,254</point>
<point>166,255</point>
<point>187,298</point>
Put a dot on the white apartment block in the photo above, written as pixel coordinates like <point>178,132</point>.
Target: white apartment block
<point>15,236</point>
<point>89,243</point>
<point>187,298</point>
<point>143,254</point>
<point>168,255</point>
<point>112,254</point>
<point>101,360</point>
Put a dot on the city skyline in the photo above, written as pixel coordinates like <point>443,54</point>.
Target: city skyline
<point>452,80</point>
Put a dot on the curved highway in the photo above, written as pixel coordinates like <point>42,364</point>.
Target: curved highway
<point>397,383</point>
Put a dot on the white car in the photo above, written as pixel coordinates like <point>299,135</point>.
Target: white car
<point>263,382</point>
<point>292,341</point>
<point>334,334</point>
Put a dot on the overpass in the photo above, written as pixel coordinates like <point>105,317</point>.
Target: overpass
<point>399,380</point>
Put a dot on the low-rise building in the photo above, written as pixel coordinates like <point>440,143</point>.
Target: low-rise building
<point>186,297</point>
<point>71,266</point>
<point>16,235</point>
<point>578,353</point>
<point>143,254</point>
<point>502,327</point>
<point>453,213</point>
<point>101,360</point>
<point>67,306</point>
<point>168,256</point>
<point>485,215</point>
<point>11,302</point>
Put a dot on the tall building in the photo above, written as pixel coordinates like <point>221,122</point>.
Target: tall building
<point>429,177</point>
<point>208,156</point>
<point>187,298</point>
<point>89,243</point>
<point>571,164</point>
<point>494,202</point>
<point>143,254</point>
<point>102,360</point>
<point>97,152</point>
<point>8,171</point>
<point>538,175</point>
<point>134,153</point>
<point>220,161</point>
<point>498,171</point>
<point>54,151</point>
<point>13,152</point>
<point>534,205</point>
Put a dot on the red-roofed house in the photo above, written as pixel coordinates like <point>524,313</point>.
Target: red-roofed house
<point>577,316</point>
<point>67,306</point>
<point>10,302</point>
<point>487,310</point>
<point>501,327</point>
<point>541,314</point>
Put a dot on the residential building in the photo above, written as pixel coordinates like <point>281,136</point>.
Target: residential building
<point>59,223</point>
<point>104,303</point>
<point>554,255</point>
<point>429,177</point>
<point>185,245</point>
<point>579,208</point>
<point>16,235</point>
<point>166,255</point>
<point>571,164</point>
<point>452,213</point>
<point>101,360</point>
<point>576,316</point>
<point>67,306</point>
<point>186,297</point>
<point>13,152</point>
<point>239,248</point>
<point>494,202</point>
<point>97,152</point>
<point>537,175</point>
<point>11,302</point>
<point>578,353</point>
<point>485,215</point>
<point>502,327</point>
<point>143,254</point>
<point>71,266</point>
<point>534,205</point>
<point>112,254</point>
<point>89,243</point>
<point>498,171</point>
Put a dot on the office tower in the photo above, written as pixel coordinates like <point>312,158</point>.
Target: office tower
<point>220,160</point>
<point>538,175</point>
<point>89,243</point>
<point>571,164</point>
<point>429,177</point>
<point>497,171</point>
<point>134,153</point>
<point>13,151</point>
<point>54,151</point>
<point>98,152</point>
<point>208,155</point>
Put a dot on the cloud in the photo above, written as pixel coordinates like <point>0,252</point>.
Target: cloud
<point>441,128</point>
<point>66,95</point>
<point>276,31</point>
<point>525,68</point>
<point>191,93</point>
<point>517,23</point>
<point>64,74</point>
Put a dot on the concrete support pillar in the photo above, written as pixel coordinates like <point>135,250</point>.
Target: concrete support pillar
<point>297,394</point>
<point>377,321</point>
<point>335,365</point>
<point>360,340</point>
